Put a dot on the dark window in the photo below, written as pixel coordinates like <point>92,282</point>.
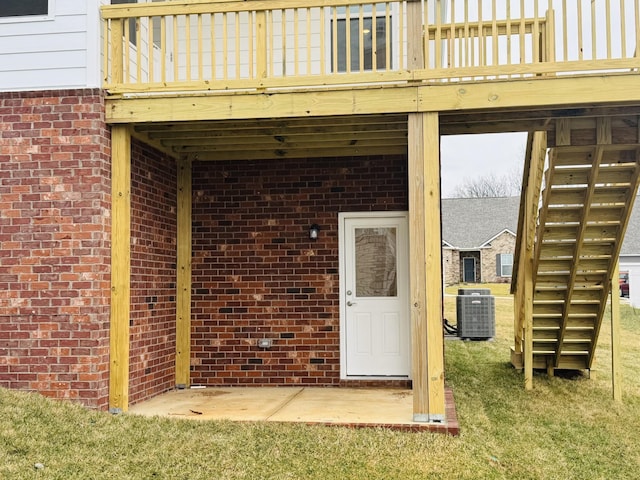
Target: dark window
<point>21,8</point>
<point>374,56</point>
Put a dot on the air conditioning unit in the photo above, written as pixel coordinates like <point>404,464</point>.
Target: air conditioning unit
<point>476,315</point>
<point>474,291</point>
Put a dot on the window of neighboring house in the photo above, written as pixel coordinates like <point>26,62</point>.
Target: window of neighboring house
<point>504,264</point>
<point>132,21</point>
<point>374,56</point>
<point>22,8</point>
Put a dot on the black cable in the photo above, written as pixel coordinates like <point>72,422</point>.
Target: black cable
<point>450,329</point>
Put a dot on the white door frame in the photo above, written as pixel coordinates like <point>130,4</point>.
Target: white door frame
<point>342,216</point>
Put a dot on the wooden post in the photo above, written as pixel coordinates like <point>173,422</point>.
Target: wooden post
<point>120,268</point>
<point>532,196</point>
<point>427,353</point>
<point>261,44</point>
<point>616,377</point>
<point>532,184</point>
<point>519,259</point>
<point>548,53</point>
<point>518,314</point>
<point>433,252</point>
<point>528,315</point>
<point>417,270</point>
<point>415,54</point>
<point>117,62</point>
<point>183,281</point>
<point>425,237</point>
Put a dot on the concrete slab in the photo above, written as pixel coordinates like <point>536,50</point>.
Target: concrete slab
<point>348,406</point>
<point>238,404</point>
<point>352,407</point>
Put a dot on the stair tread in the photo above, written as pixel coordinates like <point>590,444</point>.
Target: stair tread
<point>578,200</point>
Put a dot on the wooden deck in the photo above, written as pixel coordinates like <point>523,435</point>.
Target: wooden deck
<point>202,80</point>
<point>217,46</point>
<point>277,77</point>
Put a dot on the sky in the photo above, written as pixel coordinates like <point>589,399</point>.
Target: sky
<point>464,157</point>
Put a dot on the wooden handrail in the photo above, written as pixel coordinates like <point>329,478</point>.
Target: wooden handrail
<point>195,7</point>
<point>255,44</point>
<point>524,261</point>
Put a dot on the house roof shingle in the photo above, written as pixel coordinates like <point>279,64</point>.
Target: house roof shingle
<point>631,243</point>
<point>469,223</point>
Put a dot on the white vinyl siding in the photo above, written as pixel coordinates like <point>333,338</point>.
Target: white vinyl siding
<point>60,50</point>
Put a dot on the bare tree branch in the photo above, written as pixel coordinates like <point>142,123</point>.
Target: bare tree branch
<point>507,185</point>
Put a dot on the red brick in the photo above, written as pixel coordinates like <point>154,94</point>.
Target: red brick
<point>256,273</point>
<point>43,182</point>
<point>153,274</point>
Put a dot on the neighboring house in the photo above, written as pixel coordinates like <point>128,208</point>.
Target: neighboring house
<point>161,167</point>
<point>483,252</point>
<point>630,255</point>
<point>478,239</point>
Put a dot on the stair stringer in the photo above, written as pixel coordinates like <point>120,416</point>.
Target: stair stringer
<point>591,182</point>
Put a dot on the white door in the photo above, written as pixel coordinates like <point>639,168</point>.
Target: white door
<point>375,295</point>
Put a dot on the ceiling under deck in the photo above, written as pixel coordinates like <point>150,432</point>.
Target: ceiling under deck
<point>341,136</point>
<point>279,138</point>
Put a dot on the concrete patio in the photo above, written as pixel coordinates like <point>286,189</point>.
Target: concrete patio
<point>350,407</point>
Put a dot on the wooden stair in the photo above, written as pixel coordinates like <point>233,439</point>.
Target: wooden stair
<point>590,184</point>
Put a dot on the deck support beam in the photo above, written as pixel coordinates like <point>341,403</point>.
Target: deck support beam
<point>120,269</point>
<point>183,281</point>
<point>525,255</point>
<point>527,297</point>
<point>425,235</point>
<point>616,377</point>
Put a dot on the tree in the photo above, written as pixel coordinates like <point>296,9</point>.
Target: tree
<point>507,185</point>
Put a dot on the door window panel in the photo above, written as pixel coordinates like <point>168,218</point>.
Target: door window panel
<point>376,262</point>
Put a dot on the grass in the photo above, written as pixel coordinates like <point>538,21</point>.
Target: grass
<point>564,429</point>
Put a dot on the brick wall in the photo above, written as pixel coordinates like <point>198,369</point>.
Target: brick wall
<point>153,273</point>
<point>256,273</point>
<point>451,265</point>
<point>54,244</point>
<point>503,243</point>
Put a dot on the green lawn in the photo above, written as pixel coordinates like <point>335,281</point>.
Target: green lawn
<point>562,429</point>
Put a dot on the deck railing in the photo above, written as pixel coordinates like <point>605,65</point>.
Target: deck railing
<point>216,45</point>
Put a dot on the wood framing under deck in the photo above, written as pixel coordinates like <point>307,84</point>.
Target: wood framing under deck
<point>520,99</point>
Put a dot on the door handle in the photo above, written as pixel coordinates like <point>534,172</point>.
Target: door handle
<point>350,303</point>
